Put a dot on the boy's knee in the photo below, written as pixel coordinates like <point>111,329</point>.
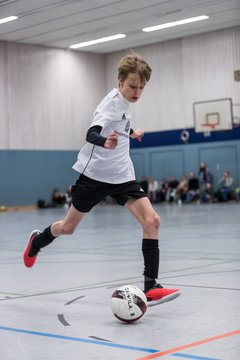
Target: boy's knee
<point>153,222</point>
<point>68,229</point>
<point>156,221</point>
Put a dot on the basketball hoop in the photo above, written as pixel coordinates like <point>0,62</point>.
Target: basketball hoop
<point>208,128</point>
<point>213,115</point>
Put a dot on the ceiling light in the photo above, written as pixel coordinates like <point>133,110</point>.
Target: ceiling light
<point>97,41</point>
<point>175,23</point>
<point>10,18</point>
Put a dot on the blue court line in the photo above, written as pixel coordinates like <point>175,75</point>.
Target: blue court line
<point>70,338</point>
<point>193,357</point>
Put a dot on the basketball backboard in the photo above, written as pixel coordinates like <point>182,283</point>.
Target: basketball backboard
<point>213,115</point>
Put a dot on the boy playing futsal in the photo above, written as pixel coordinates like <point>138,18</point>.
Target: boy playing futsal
<point>106,169</point>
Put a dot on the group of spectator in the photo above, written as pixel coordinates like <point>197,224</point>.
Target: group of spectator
<point>191,188</point>
<point>58,199</point>
<point>188,189</point>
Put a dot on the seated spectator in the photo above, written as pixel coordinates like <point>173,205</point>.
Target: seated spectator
<point>152,189</point>
<point>172,189</point>
<point>58,199</point>
<point>144,183</point>
<point>206,196</point>
<point>42,204</point>
<point>225,187</point>
<point>205,183</point>
<point>182,189</point>
<point>193,188</point>
<point>162,190</point>
<point>68,196</point>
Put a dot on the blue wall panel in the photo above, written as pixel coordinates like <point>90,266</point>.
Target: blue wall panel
<point>173,137</point>
<point>27,176</point>
<point>161,161</point>
<point>166,154</point>
<point>140,164</point>
<point>168,162</point>
<point>220,159</point>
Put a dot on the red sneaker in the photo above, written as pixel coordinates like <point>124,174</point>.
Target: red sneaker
<point>30,254</point>
<point>158,295</point>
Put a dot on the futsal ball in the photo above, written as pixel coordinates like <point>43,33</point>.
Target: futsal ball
<point>128,303</point>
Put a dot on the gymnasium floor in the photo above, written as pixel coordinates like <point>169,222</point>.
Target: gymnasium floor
<point>60,309</point>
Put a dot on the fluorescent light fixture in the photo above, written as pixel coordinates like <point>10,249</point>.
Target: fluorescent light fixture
<point>10,18</point>
<point>175,23</point>
<point>97,41</point>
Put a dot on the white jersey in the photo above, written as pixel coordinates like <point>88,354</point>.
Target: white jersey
<point>112,166</point>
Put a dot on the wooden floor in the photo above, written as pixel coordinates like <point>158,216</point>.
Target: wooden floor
<point>60,309</point>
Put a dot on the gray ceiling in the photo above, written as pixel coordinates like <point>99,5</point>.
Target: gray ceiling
<point>61,23</point>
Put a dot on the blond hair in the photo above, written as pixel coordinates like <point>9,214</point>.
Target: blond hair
<point>133,63</point>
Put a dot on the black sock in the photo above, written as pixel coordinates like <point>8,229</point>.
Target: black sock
<point>43,239</point>
<point>150,252</point>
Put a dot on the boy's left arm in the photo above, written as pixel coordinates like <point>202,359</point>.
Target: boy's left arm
<point>136,134</point>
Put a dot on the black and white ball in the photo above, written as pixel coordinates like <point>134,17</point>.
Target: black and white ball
<point>128,303</point>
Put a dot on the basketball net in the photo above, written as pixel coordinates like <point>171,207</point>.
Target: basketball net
<point>208,127</point>
<point>207,133</point>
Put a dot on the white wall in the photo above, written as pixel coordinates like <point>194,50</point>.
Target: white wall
<point>196,68</point>
<point>47,96</point>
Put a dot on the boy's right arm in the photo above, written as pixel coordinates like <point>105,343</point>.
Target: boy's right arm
<point>95,138</point>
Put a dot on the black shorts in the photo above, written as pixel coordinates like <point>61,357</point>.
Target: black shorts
<point>87,193</point>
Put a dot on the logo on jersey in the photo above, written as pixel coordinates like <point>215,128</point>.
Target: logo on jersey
<point>123,134</point>
<point>127,127</point>
<point>124,117</point>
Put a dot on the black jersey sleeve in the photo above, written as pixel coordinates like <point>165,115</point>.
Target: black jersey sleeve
<point>94,137</point>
